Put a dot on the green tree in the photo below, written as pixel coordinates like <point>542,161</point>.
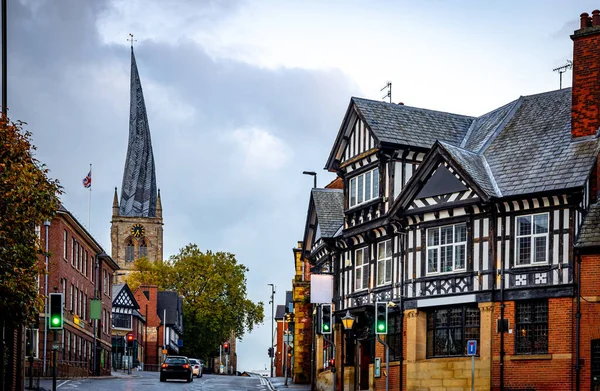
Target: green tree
<point>215,303</point>
<point>27,198</point>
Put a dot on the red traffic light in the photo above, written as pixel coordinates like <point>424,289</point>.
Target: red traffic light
<point>129,337</point>
<point>226,345</point>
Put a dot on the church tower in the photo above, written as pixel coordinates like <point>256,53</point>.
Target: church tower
<point>137,224</point>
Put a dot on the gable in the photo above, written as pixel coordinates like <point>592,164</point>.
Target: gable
<point>444,186</point>
<point>125,299</point>
<point>441,182</point>
<point>358,141</point>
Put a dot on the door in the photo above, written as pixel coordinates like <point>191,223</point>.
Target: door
<point>365,360</point>
<point>595,365</point>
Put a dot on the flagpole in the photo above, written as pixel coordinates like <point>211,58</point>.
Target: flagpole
<point>90,204</point>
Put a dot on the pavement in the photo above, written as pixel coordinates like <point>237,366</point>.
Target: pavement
<point>278,383</point>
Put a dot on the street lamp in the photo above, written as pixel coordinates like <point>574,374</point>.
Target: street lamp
<point>314,174</point>
<point>272,302</point>
<point>348,322</point>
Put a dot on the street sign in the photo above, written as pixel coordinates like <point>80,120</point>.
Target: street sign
<point>377,367</point>
<point>471,347</point>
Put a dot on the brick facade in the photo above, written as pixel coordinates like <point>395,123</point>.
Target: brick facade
<point>147,298</point>
<point>72,271</point>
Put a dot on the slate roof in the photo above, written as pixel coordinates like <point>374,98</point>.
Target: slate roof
<point>520,148</point>
<point>400,124</point>
<point>589,235</point>
<point>329,206</point>
<point>116,288</point>
<point>476,166</point>
<point>279,312</point>
<point>138,191</point>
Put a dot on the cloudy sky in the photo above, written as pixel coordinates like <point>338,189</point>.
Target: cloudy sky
<point>242,96</point>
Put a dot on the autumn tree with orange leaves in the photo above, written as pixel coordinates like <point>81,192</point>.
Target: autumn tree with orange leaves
<point>27,199</point>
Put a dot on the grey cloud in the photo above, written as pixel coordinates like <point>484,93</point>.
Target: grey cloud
<point>73,92</point>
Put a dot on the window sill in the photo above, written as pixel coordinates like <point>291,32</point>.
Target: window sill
<point>536,264</point>
<point>521,357</point>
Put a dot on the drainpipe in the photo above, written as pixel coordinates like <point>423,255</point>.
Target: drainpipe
<point>578,327</point>
<point>46,225</point>
<point>493,225</point>
<point>401,306</point>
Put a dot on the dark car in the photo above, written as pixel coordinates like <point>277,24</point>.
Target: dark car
<point>176,367</point>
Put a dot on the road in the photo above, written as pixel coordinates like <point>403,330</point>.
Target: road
<point>148,381</point>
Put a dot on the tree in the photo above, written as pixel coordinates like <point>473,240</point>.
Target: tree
<point>213,286</point>
<point>27,199</point>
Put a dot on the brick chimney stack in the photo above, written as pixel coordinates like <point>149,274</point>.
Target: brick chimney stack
<point>585,109</point>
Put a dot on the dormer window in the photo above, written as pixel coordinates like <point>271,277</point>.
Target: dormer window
<point>364,187</point>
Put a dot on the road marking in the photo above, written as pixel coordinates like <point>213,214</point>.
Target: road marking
<point>63,383</point>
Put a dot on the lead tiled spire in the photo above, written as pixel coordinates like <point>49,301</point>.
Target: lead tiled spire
<point>139,191</point>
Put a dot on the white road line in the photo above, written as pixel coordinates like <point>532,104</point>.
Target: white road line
<point>63,383</point>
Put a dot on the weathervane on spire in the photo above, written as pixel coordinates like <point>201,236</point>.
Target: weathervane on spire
<point>130,39</point>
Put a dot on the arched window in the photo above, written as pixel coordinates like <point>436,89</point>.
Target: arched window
<point>129,251</point>
<point>143,249</point>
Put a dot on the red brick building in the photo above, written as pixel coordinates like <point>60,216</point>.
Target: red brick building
<point>147,298</point>
<point>79,268</point>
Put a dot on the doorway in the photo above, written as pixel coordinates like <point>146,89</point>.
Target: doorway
<point>365,361</point>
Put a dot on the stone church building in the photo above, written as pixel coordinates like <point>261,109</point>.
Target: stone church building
<point>137,223</point>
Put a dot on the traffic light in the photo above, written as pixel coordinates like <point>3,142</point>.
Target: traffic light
<point>381,317</point>
<point>326,319</point>
<point>129,340</point>
<point>226,347</point>
<point>270,352</point>
<point>56,311</point>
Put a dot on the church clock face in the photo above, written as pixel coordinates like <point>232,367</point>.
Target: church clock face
<point>137,230</point>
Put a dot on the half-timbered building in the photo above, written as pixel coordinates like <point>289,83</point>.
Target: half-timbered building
<point>473,228</point>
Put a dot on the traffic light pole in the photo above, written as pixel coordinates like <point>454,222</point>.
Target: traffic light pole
<point>54,362</point>
<point>333,369</point>
<point>387,362</point>
<point>272,320</point>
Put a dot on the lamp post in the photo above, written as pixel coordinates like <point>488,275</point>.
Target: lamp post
<point>272,319</point>
<point>348,322</point>
<point>314,175</point>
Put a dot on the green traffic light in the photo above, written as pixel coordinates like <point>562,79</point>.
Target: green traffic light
<point>326,327</point>
<point>381,327</point>
<point>55,321</point>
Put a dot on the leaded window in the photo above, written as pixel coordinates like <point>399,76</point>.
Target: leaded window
<point>394,336</point>
<point>449,329</point>
<point>361,270</point>
<point>384,262</point>
<point>532,327</point>
<point>446,248</point>
<point>364,187</point>
<point>532,239</point>
<point>121,321</point>
<point>129,251</point>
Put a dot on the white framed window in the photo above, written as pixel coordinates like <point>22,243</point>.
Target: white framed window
<point>71,300</point>
<point>364,187</point>
<point>384,263</point>
<point>446,248</point>
<point>65,246</point>
<point>531,239</point>
<point>361,269</point>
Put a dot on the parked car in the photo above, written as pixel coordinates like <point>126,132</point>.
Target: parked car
<point>176,367</point>
<point>196,367</point>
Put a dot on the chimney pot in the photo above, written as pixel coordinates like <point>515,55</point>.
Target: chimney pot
<point>401,103</point>
<point>584,20</point>
<point>595,18</point>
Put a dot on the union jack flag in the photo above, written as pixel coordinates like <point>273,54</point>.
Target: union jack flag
<point>87,181</point>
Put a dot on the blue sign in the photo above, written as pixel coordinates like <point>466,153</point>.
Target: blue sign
<point>180,343</point>
<point>471,347</point>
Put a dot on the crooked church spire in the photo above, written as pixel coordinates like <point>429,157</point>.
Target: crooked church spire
<point>139,191</point>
